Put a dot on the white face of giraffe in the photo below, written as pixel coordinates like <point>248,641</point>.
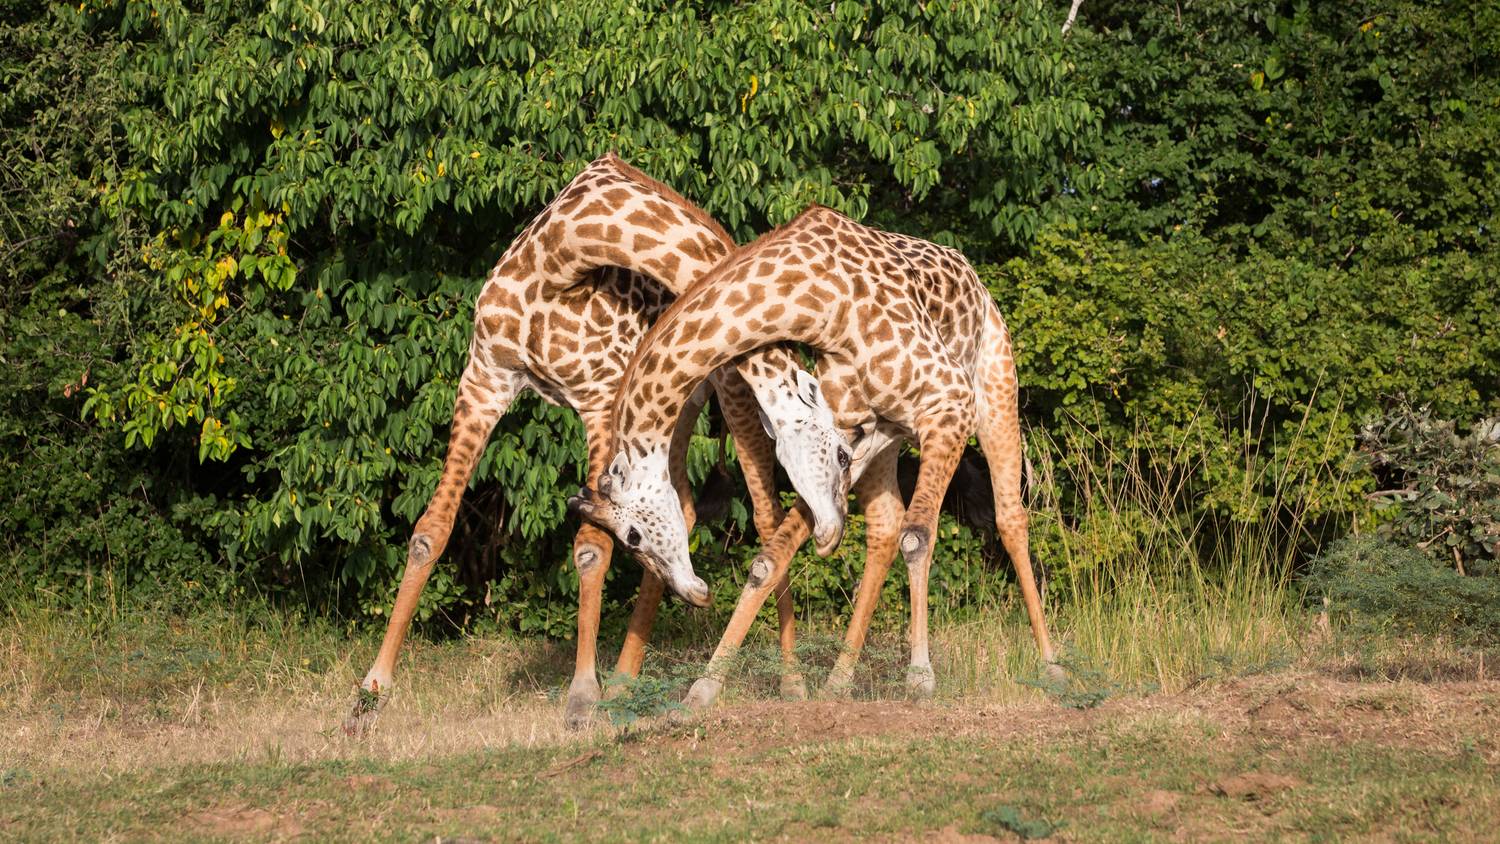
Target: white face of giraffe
<point>813,451</point>
<point>638,504</point>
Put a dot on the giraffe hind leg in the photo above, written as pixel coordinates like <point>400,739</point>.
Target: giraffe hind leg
<point>482,399</point>
<point>880,496</point>
<point>1000,439</point>
<point>758,463</point>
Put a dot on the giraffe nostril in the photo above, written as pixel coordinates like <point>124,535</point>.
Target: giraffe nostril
<point>633,538</point>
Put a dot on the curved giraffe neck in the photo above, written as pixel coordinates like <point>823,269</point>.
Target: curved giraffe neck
<point>722,317</point>
<point>613,215</point>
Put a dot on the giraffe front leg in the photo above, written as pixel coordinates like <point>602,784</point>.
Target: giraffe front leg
<point>766,572</point>
<point>483,398</point>
<point>941,450</point>
<point>592,548</point>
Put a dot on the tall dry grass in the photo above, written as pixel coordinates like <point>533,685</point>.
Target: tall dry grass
<point>254,684</point>
<point>1149,590</point>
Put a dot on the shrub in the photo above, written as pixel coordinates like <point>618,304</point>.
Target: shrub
<point>246,240</point>
<point>1375,586</point>
<point>1444,493</point>
<point>311,193</point>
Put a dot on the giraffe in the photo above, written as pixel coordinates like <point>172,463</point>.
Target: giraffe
<point>913,348</point>
<point>560,314</point>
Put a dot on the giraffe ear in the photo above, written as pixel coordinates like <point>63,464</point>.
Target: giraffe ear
<point>619,470</point>
<point>807,389</point>
<point>863,441</point>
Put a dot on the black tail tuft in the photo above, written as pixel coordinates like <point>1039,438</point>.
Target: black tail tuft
<point>713,498</point>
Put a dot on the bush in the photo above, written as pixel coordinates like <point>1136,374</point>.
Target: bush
<point>311,193</point>
<point>1376,587</point>
<point>241,245</point>
<point>1443,487</point>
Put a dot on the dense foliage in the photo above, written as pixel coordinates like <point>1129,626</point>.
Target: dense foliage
<point>1442,486</point>
<point>241,245</point>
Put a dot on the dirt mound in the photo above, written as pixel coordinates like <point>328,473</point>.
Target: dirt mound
<point>244,821</point>
<point>1253,785</point>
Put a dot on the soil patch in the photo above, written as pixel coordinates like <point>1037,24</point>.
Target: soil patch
<point>1254,785</point>
<point>241,822</point>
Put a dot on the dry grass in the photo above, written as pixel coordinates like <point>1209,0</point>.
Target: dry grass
<point>219,691</point>
<point>227,726</point>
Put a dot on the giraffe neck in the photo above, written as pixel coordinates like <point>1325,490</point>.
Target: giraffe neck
<point>612,214</point>
<point>720,319</point>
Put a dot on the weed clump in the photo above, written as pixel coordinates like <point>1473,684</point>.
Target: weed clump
<point>1374,586</point>
<point>640,697</point>
<point>1010,819</point>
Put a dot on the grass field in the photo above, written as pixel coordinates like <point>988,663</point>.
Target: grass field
<point>225,726</point>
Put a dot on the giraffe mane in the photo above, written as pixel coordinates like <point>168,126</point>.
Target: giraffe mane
<point>668,193</point>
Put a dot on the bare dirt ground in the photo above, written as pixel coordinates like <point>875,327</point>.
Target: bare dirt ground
<point>1306,753</point>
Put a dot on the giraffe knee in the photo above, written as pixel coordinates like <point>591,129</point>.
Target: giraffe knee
<point>915,543</point>
<point>760,572</point>
<point>587,557</point>
<point>419,551</point>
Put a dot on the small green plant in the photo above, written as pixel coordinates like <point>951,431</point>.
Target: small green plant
<point>647,696</point>
<point>1085,687</point>
<point>1009,818</point>
<point>368,700</point>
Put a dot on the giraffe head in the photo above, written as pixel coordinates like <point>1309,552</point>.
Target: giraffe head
<point>638,504</point>
<point>814,453</point>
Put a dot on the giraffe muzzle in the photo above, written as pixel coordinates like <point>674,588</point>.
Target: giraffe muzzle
<point>828,526</point>
<point>694,591</point>
<point>827,539</point>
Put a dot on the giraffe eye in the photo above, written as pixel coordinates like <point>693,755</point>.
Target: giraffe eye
<point>633,538</point>
<point>843,458</point>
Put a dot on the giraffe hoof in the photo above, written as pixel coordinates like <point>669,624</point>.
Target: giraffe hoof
<point>366,711</point>
<point>1055,674</point>
<point>793,687</point>
<point>583,694</point>
<point>920,681</point>
<point>703,693</point>
<point>838,687</point>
